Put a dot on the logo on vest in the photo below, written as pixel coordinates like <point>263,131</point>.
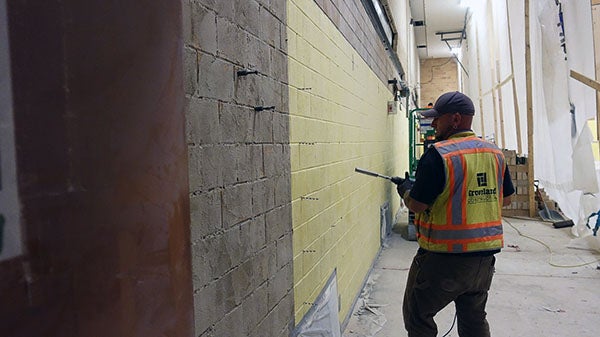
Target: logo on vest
<point>482,195</point>
<point>481,179</point>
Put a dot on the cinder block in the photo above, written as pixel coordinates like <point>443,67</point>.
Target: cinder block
<point>234,244</point>
<point>278,223</point>
<point>284,166</point>
<point>263,196</point>
<point>237,164</point>
<point>284,250</point>
<point>230,324</point>
<point>215,78</point>
<point>223,8</point>
<point>284,42</point>
<point>263,127</point>
<point>190,64</point>
<point>225,301</point>
<point>237,204</point>
<point>266,326</point>
<point>246,91</point>
<point>204,313</point>
<point>194,168</point>
<point>247,15</point>
<point>279,321</point>
<point>229,40</point>
<point>186,17</point>
<point>238,122</point>
<point>257,161</point>
<point>269,157</point>
<point>269,28</point>
<point>250,316</point>
<point>205,167</point>
<point>261,264</point>
<point>281,92</point>
<point>207,3</point>
<point>257,304</point>
<point>212,260</point>
<point>254,236</point>
<point>242,280</point>
<point>256,54</point>
<point>201,275</point>
<point>266,93</point>
<point>204,28</point>
<point>273,268</point>
<point>202,121</point>
<point>205,213</point>
<point>278,7</point>
<point>282,190</point>
<point>280,285</point>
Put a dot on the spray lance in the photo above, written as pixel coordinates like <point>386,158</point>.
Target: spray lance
<point>373,174</point>
<point>403,184</point>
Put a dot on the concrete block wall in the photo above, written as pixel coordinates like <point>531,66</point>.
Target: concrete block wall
<point>338,121</point>
<point>352,21</point>
<point>239,167</point>
<point>437,77</point>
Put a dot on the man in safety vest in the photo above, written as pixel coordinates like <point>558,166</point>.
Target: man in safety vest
<point>461,185</point>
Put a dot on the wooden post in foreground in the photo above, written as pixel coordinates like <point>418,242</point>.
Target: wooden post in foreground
<point>528,79</point>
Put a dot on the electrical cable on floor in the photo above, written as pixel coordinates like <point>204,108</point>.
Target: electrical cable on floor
<point>549,262</point>
<point>548,248</point>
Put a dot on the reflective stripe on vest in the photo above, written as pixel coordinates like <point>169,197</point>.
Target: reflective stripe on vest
<point>466,215</point>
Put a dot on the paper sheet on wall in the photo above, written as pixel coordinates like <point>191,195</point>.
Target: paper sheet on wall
<point>322,319</point>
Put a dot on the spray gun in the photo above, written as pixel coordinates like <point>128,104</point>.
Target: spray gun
<point>395,180</point>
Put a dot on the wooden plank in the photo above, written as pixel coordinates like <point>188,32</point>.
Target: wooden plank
<point>585,80</point>
<point>594,85</point>
<point>492,42</point>
<point>500,107</point>
<point>529,90</point>
<point>479,83</point>
<point>596,31</point>
<point>595,2</point>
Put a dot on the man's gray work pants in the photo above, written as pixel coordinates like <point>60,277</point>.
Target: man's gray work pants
<point>435,280</point>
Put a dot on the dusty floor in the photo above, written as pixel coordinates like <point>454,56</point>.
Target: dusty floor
<point>541,288</point>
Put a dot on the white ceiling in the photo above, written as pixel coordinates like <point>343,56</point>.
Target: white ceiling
<point>437,16</point>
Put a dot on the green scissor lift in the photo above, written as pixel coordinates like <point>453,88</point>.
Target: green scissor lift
<point>414,127</point>
<point>414,141</point>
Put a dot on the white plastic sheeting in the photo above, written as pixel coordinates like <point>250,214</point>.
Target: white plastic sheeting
<point>322,319</point>
<point>563,159</point>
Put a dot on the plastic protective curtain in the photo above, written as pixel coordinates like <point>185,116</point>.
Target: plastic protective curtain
<point>563,158</point>
<point>564,161</point>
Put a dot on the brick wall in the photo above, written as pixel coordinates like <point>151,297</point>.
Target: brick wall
<point>437,77</point>
<point>239,167</point>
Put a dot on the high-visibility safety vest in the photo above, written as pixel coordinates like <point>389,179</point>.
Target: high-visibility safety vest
<point>466,216</point>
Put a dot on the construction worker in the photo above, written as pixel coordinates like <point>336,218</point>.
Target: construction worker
<point>460,186</point>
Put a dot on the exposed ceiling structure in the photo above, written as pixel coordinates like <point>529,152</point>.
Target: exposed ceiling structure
<point>438,24</point>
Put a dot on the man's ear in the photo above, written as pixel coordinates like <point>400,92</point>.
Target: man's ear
<point>457,118</point>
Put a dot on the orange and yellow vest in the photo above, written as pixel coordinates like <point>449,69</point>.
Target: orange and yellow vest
<point>466,216</point>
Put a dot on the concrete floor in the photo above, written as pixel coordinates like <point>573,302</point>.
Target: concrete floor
<point>529,296</point>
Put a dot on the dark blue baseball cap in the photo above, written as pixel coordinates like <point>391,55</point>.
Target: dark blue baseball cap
<point>451,102</point>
